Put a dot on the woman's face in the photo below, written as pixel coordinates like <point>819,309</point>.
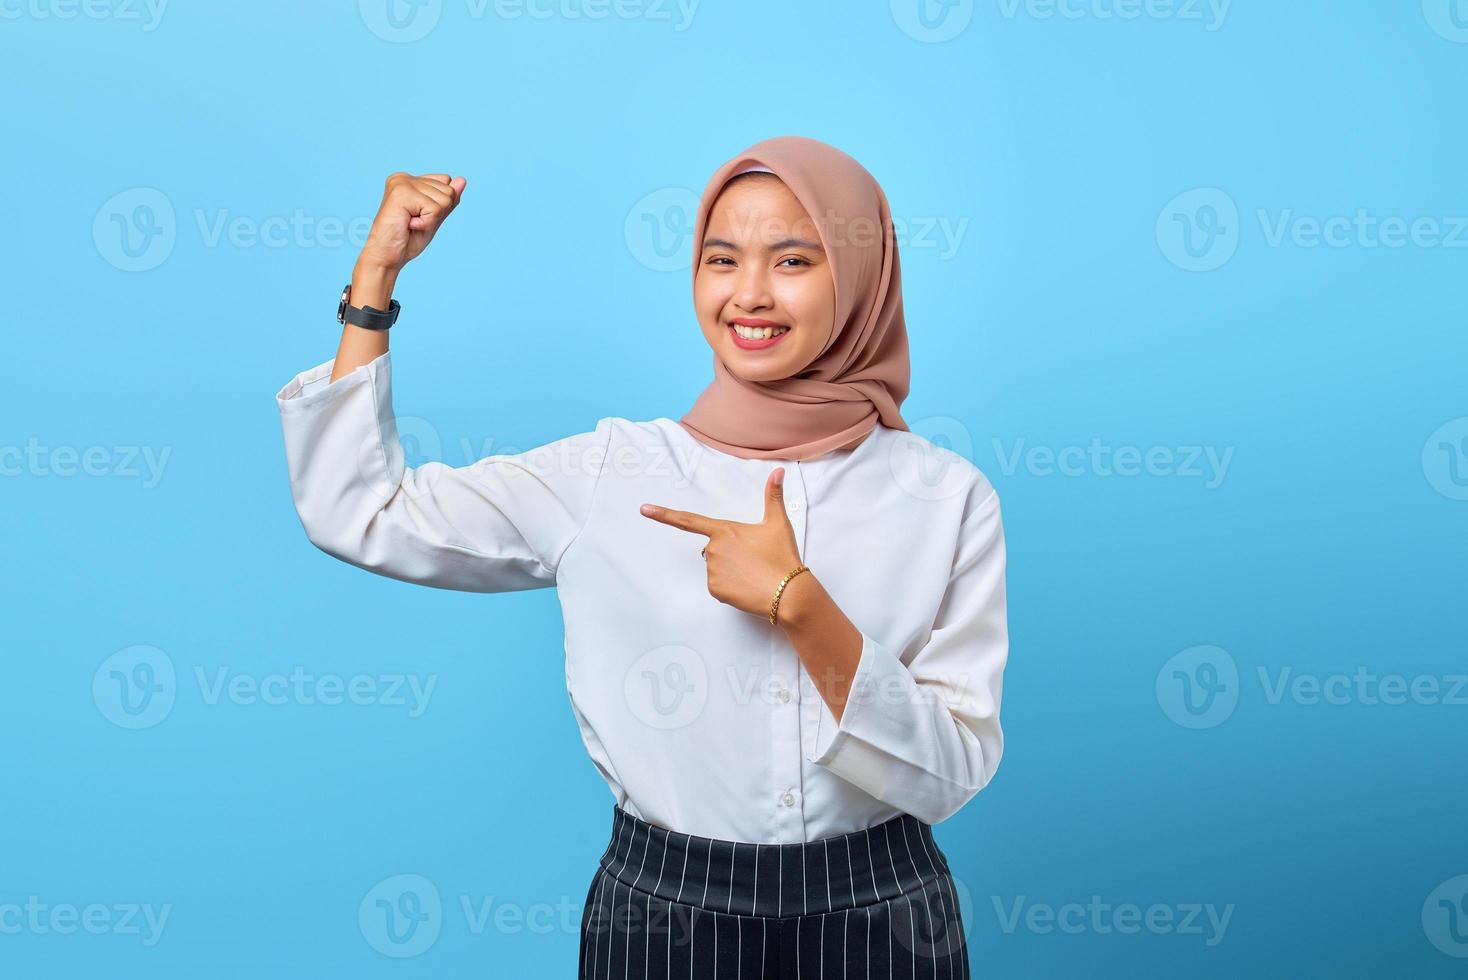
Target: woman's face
<point>762,270</point>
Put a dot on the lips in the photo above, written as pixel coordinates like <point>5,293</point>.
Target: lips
<point>757,325</point>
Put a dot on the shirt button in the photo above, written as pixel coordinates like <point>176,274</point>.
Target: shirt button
<point>794,505</point>
<point>785,695</point>
<point>788,799</point>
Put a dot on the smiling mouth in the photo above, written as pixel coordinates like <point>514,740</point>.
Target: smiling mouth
<point>757,337</point>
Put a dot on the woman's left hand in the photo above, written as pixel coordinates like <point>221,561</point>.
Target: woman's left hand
<point>745,561</point>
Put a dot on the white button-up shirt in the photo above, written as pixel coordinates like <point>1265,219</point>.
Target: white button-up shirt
<point>700,717</point>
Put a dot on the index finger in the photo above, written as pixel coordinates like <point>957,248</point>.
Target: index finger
<point>685,519</point>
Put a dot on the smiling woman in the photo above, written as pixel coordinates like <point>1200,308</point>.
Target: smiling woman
<point>781,735</point>
<point>763,283</point>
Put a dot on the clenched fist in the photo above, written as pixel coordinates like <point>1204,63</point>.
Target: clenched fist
<point>413,208</point>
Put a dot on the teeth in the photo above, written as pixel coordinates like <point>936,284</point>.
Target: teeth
<point>758,333</point>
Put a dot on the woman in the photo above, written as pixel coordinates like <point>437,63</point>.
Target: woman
<point>785,673</point>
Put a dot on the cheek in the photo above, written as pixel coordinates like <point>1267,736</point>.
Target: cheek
<point>814,309</point>
<point>709,299</point>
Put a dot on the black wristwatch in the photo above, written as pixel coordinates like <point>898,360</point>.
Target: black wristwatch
<point>366,316</point>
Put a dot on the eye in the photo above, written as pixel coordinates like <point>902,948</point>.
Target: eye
<point>717,259</point>
<point>792,258</point>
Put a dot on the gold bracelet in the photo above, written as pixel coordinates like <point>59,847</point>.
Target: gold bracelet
<point>775,602</point>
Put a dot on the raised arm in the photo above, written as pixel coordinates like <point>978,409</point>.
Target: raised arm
<point>411,212</point>
<point>499,524</point>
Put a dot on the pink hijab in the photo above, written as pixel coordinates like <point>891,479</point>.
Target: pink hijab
<point>861,375</point>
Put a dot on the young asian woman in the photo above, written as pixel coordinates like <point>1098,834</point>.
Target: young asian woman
<point>785,612</point>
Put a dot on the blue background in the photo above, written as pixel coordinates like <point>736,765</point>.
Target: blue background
<point>1084,300</point>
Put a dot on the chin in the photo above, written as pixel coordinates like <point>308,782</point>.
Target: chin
<point>764,372</point>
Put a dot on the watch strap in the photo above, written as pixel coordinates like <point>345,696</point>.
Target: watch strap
<point>366,316</point>
<point>371,317</point>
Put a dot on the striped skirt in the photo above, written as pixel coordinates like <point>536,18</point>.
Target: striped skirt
<point>875,903</point>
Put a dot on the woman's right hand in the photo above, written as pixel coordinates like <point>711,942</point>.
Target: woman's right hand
<point>412,209</point>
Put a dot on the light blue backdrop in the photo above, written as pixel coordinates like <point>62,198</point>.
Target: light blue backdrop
<point>1185,280</point>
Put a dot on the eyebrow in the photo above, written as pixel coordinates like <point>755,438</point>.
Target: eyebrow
<point>783,243</point>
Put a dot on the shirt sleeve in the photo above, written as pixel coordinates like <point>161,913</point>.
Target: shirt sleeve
<point>500,524</point>
<point>924,735</point>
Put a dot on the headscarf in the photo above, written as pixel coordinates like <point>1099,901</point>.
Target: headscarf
<point>861,374</point>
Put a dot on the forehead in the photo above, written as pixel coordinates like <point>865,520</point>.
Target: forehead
<point>757,207</point>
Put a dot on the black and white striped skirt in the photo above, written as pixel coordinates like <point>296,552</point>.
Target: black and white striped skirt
<point>875,903</point>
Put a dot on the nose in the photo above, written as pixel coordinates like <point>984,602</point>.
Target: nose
<point>752,291</point>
